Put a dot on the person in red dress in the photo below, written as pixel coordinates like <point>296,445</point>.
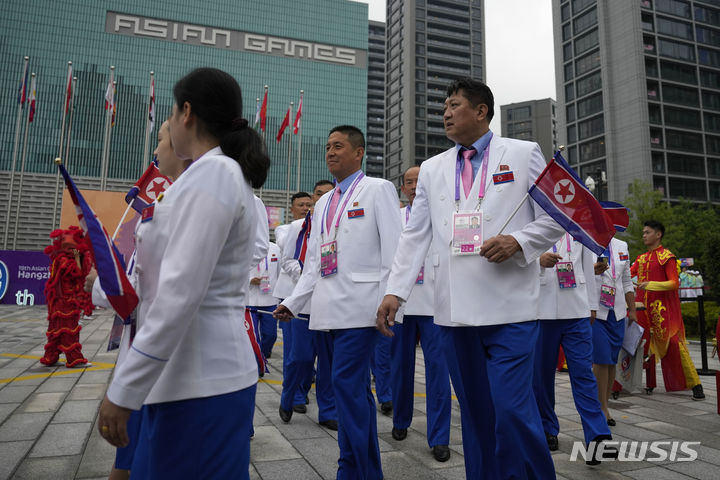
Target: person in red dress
<point>657,290</point>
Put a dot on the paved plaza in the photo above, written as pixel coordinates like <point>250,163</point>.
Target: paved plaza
<point>47,420</point>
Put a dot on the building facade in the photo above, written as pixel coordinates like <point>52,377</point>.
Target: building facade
<point>533,120</point>
<point>319,47</point>
<point>430,43</point>
<point>639,94</point>
<point>375,135</point>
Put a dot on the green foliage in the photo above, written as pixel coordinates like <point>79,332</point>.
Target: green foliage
<point>690,319</point>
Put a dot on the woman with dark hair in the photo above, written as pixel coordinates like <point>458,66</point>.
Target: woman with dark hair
<point>191,362</point>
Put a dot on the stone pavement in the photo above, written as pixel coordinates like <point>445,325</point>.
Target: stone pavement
<point>47,420</point>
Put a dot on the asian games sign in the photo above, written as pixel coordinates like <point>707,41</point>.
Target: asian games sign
<point>202,35</point>
<point>22,277</point>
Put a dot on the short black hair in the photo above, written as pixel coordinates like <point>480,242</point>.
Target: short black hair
<point>354,134</point>
<point>475,91</point>
<point>655,225</point>
<point>299,195</point>
<point>322,182</point>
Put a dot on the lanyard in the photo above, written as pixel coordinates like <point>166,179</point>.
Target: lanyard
<point>407,213</point>
<point>483,175</point>
<point>567,242</point>
<point>612,261</point>
<point>338,214</point>
<point>266,266</point>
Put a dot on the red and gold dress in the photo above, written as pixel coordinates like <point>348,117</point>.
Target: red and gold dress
<point>662,318</point>
<point>66,299</point>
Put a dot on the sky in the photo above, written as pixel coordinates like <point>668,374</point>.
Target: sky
<point>519,49</point>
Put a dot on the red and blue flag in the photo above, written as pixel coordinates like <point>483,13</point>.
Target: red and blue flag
<point>22,93</point>
<point>302,241</point>
<point>151,184</point>
<point>618,215</point>
<point>108,263</point>
<point>561,193</point>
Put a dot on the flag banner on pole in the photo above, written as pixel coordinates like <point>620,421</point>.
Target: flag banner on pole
<point>283,126</point>
<point>617,214</point>
<point>561,193</point>
<point>151,184</point>
<point>263,112</point>
<point>22,93</point>
<point>68,97</point>
<point>31,100</point>
<point>296,124</point>
<point>114,105</point>
<point>302,240</point>
<point>108,263</point>
<point>257,113</point>
<point>151,115</point>
<point>109,96</point>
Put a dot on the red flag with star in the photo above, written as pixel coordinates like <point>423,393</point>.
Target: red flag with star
<point>561,193</point>
<point>151,184</point>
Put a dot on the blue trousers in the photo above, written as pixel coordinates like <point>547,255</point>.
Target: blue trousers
<point>575,336</point>
<point>502,431</point>
<point>298,365</point>
<point>380,367</point>
<point>299,395</point>
<point>323,343</point>
<point>437,379</point>
<point>170,432</point>
<point>265,328</point>
<point>357,420</point>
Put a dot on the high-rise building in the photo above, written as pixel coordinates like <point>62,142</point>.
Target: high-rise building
<point>533,120</point>
<point>430,43</point>
<point>319,46</point>
<point>375,135</point>
<point>639,94</point>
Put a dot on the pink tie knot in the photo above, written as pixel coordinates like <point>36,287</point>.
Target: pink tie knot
<point>468,153</point>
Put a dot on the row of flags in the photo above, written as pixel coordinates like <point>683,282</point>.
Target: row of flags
<point>28,94</point>
<point>261,116</point>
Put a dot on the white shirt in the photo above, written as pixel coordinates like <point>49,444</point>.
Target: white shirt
<point>268,267</point>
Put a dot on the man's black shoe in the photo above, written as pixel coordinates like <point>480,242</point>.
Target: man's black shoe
<point>330,424</point>
<point>552,442</point>
<point>441,453</point>
<point>399,433</point>
<point>386,407</point>
<point>300,408</point>
<point>698,392</point>
<point>285,415</point>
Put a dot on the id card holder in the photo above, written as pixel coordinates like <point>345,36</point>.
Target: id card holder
<point>565,274</point>
<point>421,276</point>
<point>328,258</point>
<point>607,296</point>
<point>467,233</point>
<point>265,284</point>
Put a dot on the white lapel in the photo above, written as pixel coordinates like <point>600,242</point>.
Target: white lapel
<point>447,165</point>
<point>497,150</point>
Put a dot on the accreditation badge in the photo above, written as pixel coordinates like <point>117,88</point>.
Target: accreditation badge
<point>265,284</point>
<point>467,233</point>
<point>421,276</point>
<point>328,258</point>
<point>607,296</point>
<point>565,274</point>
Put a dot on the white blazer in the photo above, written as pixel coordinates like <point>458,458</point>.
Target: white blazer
<point>469,290</point>
<point>565,303</point>
<point>192,262</point>
<point>289,272</point>
<point>622,281</point>
<point>421,301</point>
<point>365,248</point>
<point>268,266</point>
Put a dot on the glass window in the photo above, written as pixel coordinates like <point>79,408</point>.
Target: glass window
<point>586,42</point>
<point>685,141</point>
<point>681,117</point>
<point>714,191</point>
<point>707,15</point>
<point>420,74</point>
<point>708,36</point>
<point>579,5</point>
<point>709,57</point>
<point>570,113</point>
<point>711,100</point>
<point>590,106</point>
<point>420,25</point>
<point>647,22</point>
<point>568,72</point>
<point>713,165</point>
<point>589,84</point>
<point>681,51</point>
<point>569,92</point>
<point>712,122</point>
<point>658,162</point>
<point>521,113</point>
<point>592,149</point>
<point>419,112</point>
<point>585,21</point>
<point>651,69</point>
<point>566,32</point>
<point>656,139</point>
<point>676,7</point>
<point>572,134</point>
<point>565,12</point>
<point>712,145</point>
<point>654,114</point>
<point>674,29</point>
<point>685,164</point>
<point>590,128</point>
<point>659,184</point>
<point>588,62</point>
<point>419,61</point>
<point>567,51</point>
<point>653,90</point>
<point>678,72</point>
<point>685,188</point>
<point>420,87</point>
<point>709,78</point>
<point>680,95</point>
<point>419,37</point>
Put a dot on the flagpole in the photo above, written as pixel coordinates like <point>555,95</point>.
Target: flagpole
<point>257,120</point>
<point>147,126</point>
<point>117,229</point>
<point>299,146</point>
<point>106,138</point>
<point>14,157</point>
<point>109,138</point>
<point>22,173</point>
<point>62,134</point>
<point>70,123</point>
<point>287,196</point>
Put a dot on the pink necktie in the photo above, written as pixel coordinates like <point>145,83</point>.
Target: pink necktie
<point>467,172</point>
<point>333,207</point>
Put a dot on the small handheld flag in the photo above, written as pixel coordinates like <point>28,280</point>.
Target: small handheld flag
<point>151,184</point>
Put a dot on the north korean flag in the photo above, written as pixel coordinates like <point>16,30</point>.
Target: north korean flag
<point>151,184</point>
<point>561,193</point>
<point>618,214</point>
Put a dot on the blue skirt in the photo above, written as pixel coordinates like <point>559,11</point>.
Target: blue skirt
<point>607,338</point>
<point>197,438</point>
<point>124,456</point>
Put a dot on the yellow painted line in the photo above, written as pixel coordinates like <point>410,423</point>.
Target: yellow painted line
<point>95,367</point>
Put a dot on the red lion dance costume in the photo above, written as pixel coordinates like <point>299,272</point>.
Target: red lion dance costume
<point>70,262</point>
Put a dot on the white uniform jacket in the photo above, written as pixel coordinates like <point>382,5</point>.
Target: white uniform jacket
<point>268,267</point>
<point>262,235</point>
<point>622,281</point>
<point>365,247</point>
<point>289,272</point>
<point>565,303</point>
<point>469,290</point>
<point>421,299</point>
<point>192,262</point>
